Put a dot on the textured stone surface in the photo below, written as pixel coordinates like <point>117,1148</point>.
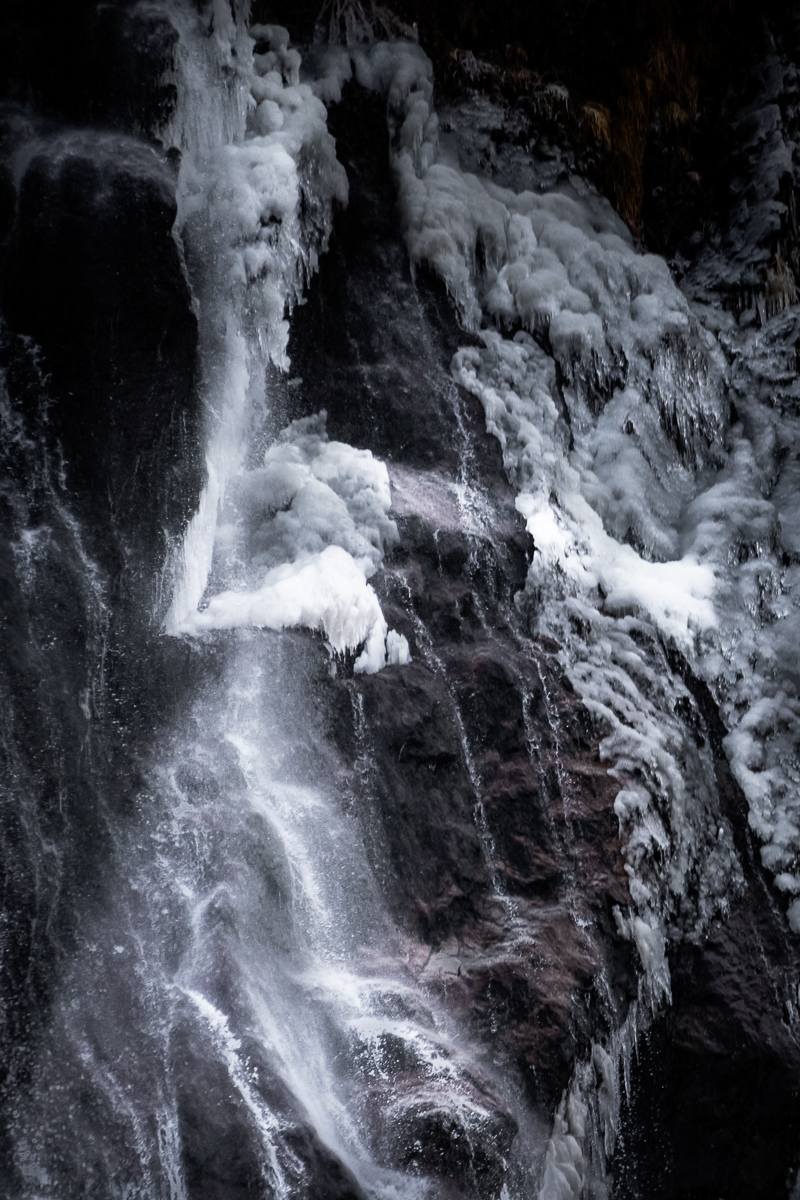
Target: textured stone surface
<point>92,280</point>
<point>490,813</point>
<point>515,906</point>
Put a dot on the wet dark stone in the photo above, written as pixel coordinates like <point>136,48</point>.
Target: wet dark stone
<point>425,801</point>
<point>89,63</point>
<point>434,1144</point>
<point>363,349</point>
<point>93,281</point>
<point>99,465</point>
<point>223,1151</point>
<point>715,1109</point>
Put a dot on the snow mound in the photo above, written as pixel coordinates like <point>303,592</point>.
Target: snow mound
<point>310,526</point>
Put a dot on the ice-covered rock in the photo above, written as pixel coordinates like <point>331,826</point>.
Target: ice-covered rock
<point>258,184</point>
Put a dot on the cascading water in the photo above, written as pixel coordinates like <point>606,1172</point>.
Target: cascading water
<point>243,932</point>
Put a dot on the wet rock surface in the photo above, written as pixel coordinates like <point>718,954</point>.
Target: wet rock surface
<point>98,468</point>
<point>488,808</point>
<point>85,63</point>
<point>93,288</point>
<point>220,1148</point>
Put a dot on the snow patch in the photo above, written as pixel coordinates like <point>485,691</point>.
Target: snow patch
<point>306,530</point>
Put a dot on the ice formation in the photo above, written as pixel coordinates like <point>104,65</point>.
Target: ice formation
<point>615,612</point>
<point>746,524</point>
<point>603,485</point>
<point>661,552</point>
<point>311,524</point>
<point>587,1121</point>
<point>564,1162</point>
<point>258,183</point>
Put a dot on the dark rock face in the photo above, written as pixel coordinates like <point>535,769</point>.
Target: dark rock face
<point>488,809</point>
<point>100,460</point>
<point>714,1109</point>
<point>86,63</point>
<point>93,279</point>
<point>221,1155</point>
<point>718,1077</point>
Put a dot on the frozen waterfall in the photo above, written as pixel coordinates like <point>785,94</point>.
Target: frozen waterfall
<point>402,641</point>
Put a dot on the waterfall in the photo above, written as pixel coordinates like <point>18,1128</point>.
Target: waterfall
<point>240,1004</point>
